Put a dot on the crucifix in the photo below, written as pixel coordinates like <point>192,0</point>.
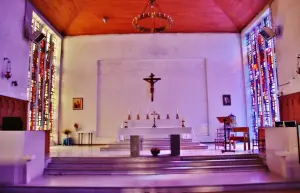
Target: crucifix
<point>154,114</point>
<point>152,81</point>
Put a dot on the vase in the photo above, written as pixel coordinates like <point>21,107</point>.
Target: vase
<point>154,153</point>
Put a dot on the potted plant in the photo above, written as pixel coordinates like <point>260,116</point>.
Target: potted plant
<point>155,151</point>
<point>67,132</point>
<point>68,140</point>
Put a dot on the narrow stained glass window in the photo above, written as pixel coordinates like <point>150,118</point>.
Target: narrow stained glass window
<point>262,76</point>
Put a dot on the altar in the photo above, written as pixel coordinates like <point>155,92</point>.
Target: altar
<point>164,128</point>
<point>158,132</point>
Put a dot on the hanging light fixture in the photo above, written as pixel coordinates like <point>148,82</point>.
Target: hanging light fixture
<point>7,74</point>
<point>155,15</point>
<point>298,64</point>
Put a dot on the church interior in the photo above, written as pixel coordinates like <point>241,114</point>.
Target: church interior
<point>149,96</point>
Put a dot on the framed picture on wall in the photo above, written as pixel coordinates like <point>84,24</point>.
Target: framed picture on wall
<point>77,103</point>
<point>226,100</point>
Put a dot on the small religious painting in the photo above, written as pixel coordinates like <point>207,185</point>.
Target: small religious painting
<point>226,100</point>
<point>77,103</point>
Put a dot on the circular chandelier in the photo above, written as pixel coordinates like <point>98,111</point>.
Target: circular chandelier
<point>153,15</point>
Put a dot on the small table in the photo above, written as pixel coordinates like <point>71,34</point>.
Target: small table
<point>81,136</point>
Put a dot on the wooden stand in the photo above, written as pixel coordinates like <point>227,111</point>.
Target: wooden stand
<point>175,145</point>
<point>135,145</point>
<point>225,120</point>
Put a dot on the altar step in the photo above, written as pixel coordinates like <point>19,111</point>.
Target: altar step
<point>150,165</point>
<point>147,144</point>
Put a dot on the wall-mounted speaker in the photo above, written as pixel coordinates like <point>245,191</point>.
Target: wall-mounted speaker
<point>268,33</point>
<point>37,37</point>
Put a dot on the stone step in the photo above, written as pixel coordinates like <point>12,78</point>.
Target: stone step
<point>153,165</point>
<point>157,165</point>
<point>147,159</point>
<point>270,187</point>
<point>167,170</point>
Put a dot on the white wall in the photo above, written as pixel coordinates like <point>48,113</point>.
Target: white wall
<point>121,88</point>
<point>14,47</point>
<point>286,14</point>
<point>221,51</point>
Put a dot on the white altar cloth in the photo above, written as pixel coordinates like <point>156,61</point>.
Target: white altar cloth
<point>159,123</point>
<point>154,132</point>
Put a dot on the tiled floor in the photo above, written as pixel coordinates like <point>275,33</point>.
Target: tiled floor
<point>94,151</point>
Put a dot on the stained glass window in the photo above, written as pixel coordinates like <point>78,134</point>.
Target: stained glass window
<point>262,76</point>
<point>44,61</point>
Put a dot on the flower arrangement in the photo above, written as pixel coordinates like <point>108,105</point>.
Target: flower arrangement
<point>76,126</point>
<point>67,132</point>
<point>155,151</point>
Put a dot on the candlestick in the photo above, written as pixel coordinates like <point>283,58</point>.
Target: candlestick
<point>125,124</point>
<point>177,115</point>
<point>168,115</point>
<point>182,123</point>
<point>129,115</point>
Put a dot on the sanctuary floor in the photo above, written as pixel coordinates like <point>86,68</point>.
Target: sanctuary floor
<point>94,151</point>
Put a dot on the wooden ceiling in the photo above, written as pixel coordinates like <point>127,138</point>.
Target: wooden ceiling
<point>84,17</point>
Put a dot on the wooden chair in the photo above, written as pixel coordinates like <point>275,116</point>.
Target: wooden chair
<point>244,138</point>
<point>219,141</point>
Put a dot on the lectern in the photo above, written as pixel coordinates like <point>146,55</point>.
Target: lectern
<point>225,120</point>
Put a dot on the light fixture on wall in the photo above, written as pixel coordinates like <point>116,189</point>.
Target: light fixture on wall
<point>7,64</point>
<point>155,14</point>
<point>14,83</point>
<point>298,64</point>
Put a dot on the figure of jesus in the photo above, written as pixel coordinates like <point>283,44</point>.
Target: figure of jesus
<point>151,80</point>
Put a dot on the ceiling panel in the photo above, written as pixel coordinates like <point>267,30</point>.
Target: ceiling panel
<point>84,17</point>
